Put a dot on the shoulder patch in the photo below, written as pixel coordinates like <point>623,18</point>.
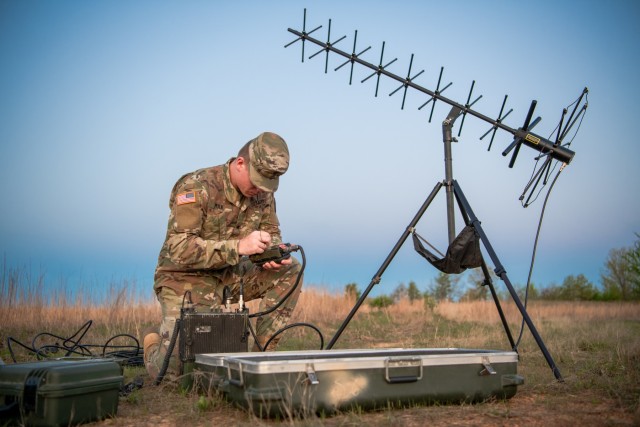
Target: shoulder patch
<point>184,198</point>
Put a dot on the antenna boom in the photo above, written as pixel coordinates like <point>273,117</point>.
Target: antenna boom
<point>530,139</point>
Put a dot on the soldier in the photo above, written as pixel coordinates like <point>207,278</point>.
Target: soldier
<point>219,215</point>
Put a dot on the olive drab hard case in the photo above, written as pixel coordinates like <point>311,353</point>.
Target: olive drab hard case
<point>323,382</point>
<point>59,392</point>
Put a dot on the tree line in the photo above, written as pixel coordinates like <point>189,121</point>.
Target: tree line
<point>619,281</point>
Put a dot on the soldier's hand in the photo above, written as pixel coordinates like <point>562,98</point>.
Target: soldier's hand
<point>273,265</point>
<point>254,243</point>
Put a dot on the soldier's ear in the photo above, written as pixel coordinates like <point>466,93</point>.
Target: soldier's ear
<point>242,162</point>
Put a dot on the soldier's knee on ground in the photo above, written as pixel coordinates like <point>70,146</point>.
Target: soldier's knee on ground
<point>155,355</point>
<point>151,346</point>
<point>156,347</point>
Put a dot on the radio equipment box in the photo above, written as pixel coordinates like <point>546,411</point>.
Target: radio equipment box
<point>59,392</point>
<point>214,332</point>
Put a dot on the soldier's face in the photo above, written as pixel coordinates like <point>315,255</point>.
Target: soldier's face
<point>241,179</point>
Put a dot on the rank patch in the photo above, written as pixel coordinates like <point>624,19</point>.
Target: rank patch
<point>184,198</point>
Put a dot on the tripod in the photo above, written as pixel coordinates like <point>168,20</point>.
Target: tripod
<point>454,192</point>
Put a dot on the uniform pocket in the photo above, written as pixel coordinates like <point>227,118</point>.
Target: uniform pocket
<point>188,217</point>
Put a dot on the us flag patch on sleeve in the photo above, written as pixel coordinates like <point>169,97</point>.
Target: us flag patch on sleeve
<point>184,198</point>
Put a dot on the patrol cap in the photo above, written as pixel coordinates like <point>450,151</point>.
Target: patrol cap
<point>268,159</point>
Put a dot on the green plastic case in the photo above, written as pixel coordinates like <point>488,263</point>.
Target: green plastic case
<point>59,392</point>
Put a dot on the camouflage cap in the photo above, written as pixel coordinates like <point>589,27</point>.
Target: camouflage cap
<point>269,158</point>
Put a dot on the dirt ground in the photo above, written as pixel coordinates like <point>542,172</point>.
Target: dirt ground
<point>555,406</point>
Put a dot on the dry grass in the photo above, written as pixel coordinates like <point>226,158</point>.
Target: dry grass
<point>28,309</point>
<point>121,317</point>
<point>596,346</point>
<point>485,311</point>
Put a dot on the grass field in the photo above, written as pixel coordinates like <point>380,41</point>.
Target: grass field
<point>595,345</point>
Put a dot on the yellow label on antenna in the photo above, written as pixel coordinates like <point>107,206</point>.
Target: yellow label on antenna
<point>532,139</point>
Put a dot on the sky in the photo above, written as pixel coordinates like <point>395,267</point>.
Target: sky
<point>104,105</point>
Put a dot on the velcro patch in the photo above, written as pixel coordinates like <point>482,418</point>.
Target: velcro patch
<point>184,198</point>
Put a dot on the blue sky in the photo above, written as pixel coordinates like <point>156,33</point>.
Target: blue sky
<point>105,104</point>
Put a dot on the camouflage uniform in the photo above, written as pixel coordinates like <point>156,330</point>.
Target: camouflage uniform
<point>208,218</point>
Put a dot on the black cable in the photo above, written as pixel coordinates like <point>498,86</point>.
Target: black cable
<point>293,325</point>
<point>533,256</point>
<point>81,332</point>
<point>275,307</point>
<point>10,347</point>
<point>73,346</point>
<point>281,330</point>
<point>68,344</point>
<point>537,173</point>
<point>255,337</point>
<point>568,126</point>
<point>132,357</point>
<point>172,344</point>
<point>529,203</point>
<point>293,288</point>
<point>583,112</point>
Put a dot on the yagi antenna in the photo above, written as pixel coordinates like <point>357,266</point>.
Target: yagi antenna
<point>545,169</point>
<point>467,106</point>
<point>518,140</point>
<point>547,149</point>
<point>435,94</point>
<point>406,82</point>
<point>378,70</point>
<point>522,136</point>
<point>327,47</point>
<point>500,118</point>
<point>304,33</point>
<point>353,57</point>
<point>572,120</point>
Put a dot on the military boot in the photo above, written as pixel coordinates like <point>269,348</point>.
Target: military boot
<point>151,344</point>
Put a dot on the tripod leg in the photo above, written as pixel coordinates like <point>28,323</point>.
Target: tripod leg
<point>501,272</point>
<point>496,300</point>
<point>488,281</point>
<point>385,264</point>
